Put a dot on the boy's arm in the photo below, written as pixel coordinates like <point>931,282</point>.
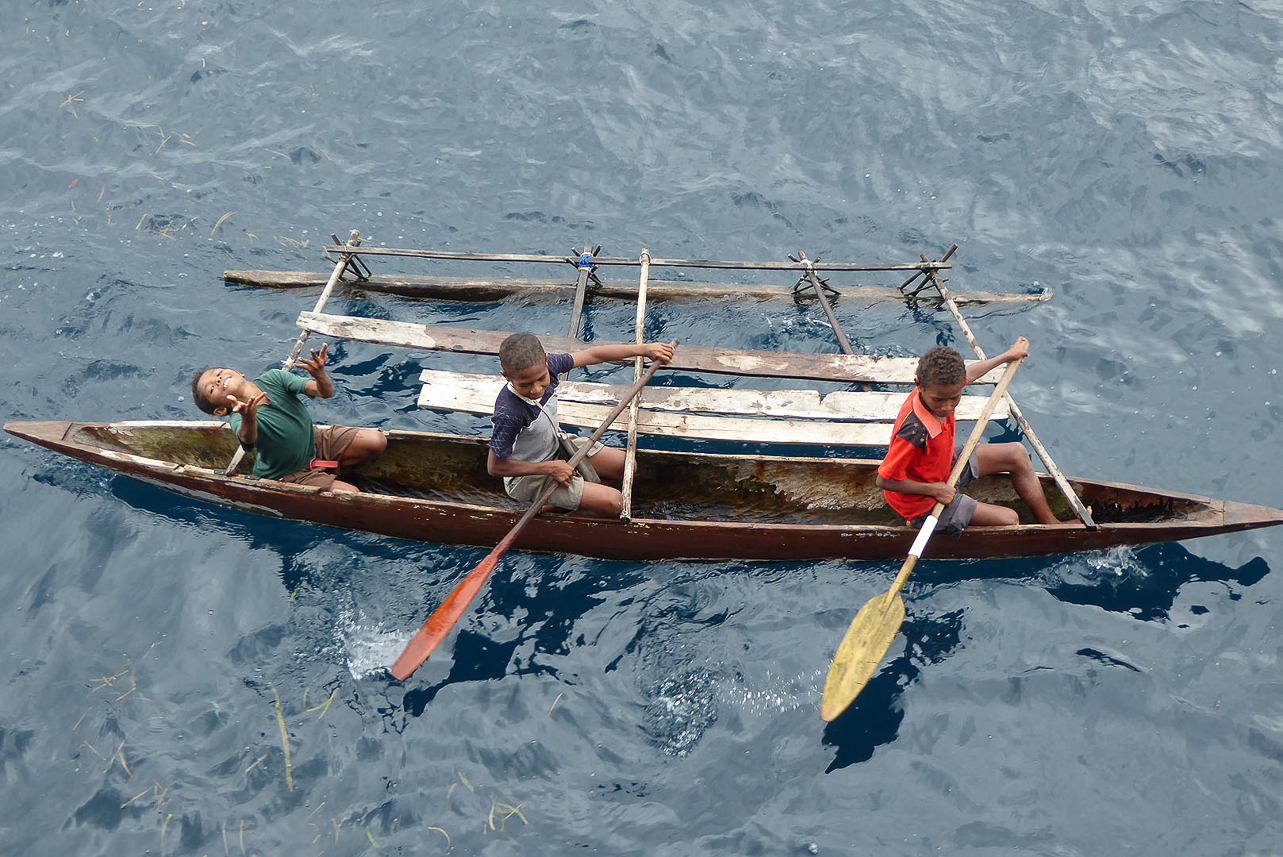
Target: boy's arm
<point>981,367</point>
<point>247,431</point>
<point>660,351</point>
<point>941,492</point>
<point>319,385</point>
<point>893,473</point>
<point>556,468</point>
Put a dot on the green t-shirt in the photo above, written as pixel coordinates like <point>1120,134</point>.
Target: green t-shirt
<point>286,443</point>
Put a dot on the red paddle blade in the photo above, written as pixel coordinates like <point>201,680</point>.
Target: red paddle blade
<point>444,618</point>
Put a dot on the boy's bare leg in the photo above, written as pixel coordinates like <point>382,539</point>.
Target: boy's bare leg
<point>601,500</point>
<point>368,443</point>
<point>609,464</point>
<point>1013,458</point>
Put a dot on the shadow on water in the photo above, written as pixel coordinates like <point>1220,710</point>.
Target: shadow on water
<point>288,540</point>
<point>1142,583</point>
<point>543,617</point>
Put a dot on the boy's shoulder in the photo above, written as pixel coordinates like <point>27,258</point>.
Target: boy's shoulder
<point>912,431</point>
<point>509,407</point>
<point>286,381</point>
<point>560,363</point>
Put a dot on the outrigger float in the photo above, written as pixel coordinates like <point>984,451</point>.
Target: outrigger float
<point>677,504</point>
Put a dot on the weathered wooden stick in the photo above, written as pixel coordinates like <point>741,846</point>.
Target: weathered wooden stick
<point>824,302</point>
<point>943,258</point>
<point>581,288</point>
<point>353,240</point>
<point>630,449</point>
<point>1043,455</point>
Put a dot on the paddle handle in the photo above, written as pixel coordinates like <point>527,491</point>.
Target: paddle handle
<point>928,526</point>
<point>444,618</point>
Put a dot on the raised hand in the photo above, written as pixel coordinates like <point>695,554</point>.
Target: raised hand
<point>1018,350</point>
<point>315,365</point>
<point>659,351</point>
<point>249,408</point>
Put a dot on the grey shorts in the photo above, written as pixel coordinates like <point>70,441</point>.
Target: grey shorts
<point>526,488</point>
<point>955,517</point>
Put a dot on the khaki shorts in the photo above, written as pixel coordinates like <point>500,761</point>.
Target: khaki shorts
<point>526,488</point>
<point>331,443</point>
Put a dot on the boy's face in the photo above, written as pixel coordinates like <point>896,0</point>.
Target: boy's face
<point>219,385</point>
<point>531,381</point>
<point>941,399</point>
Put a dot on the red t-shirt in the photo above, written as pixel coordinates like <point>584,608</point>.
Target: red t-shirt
<point>921,449</point>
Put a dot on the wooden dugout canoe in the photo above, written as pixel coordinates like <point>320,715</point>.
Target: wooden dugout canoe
<point>434,487</point>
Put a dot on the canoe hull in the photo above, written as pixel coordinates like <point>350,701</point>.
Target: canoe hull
<point>481,516</point>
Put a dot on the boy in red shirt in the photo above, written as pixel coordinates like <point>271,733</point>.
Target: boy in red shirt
<point>914,475</point>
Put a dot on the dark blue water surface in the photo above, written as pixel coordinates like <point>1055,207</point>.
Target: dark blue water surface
<point>1127,156</point>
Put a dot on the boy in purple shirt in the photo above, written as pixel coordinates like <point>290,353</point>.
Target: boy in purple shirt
<point>526,438</point>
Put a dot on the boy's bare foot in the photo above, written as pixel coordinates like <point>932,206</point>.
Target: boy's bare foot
<point>1076,522</point>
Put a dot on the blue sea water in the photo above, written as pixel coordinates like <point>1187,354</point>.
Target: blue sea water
<point>184,679</point>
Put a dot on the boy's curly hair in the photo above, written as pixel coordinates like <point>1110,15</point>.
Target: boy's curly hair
<point>941,365</point>
<point>520,351</point>
<point>198,395</point>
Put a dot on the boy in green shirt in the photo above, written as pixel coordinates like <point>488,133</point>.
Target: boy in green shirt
<point>269,418</point>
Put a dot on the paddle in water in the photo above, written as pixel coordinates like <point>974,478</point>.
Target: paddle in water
<point>445,617</point>
<point>875,626</point>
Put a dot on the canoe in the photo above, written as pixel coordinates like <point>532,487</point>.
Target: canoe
<point>686,505</point>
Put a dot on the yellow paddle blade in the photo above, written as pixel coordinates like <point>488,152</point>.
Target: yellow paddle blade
<point>860,651</point>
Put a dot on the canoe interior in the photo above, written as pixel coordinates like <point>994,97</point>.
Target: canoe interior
<point>669,485</point>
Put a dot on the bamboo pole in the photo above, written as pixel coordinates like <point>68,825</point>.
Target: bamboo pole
<point>352,242</point>
<point>630,451</point>
<point>628,263</point>
<point>1043,455</point>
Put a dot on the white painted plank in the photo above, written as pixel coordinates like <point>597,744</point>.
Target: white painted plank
<point>795,416</point>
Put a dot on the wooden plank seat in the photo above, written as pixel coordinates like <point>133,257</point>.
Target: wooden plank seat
<point>747,416</point>
<point>841,368</point>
